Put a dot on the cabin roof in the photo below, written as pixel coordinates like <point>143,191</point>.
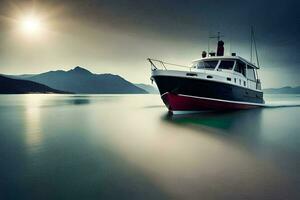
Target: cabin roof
<point>226,58</point>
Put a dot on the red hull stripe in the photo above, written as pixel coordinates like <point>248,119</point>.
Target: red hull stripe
<point>183,102</point>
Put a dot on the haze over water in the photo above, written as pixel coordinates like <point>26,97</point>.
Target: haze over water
<point>128,147</point>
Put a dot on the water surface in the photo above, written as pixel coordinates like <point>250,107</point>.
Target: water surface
<point>129,147</point>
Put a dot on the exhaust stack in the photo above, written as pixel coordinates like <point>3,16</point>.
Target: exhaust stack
<point>220,50</point>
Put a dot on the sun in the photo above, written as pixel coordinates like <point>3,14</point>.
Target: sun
<point>31,25</point>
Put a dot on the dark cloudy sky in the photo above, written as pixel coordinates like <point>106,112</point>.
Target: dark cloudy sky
<point>117,36</point>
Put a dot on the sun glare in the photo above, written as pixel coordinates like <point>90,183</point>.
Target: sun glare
<point>31,25</point>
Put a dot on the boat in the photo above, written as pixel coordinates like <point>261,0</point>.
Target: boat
<point>213,82</point>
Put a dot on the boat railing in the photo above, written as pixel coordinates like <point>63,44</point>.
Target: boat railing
<point>159,64</point>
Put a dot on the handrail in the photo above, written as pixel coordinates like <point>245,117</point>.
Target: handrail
<point>151,60</point>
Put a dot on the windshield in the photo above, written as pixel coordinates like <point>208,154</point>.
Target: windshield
<point>211,65</point>
<point>226,64</point>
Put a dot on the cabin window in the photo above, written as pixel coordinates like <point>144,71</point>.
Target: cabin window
<point>226,64</point>
<point>240,67</point>
<point>251,73</point>
<point>211,65</point>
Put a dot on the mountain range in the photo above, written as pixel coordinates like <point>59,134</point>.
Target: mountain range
<point>15,86</point>
<point>283,90</point>
<point>80,80</point>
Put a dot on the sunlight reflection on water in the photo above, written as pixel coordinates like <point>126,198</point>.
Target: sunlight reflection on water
<point>32,116</point>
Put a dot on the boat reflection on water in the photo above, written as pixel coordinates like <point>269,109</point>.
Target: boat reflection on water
<point>227,121</point>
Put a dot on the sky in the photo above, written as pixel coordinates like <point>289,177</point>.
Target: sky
<point>110,36</point>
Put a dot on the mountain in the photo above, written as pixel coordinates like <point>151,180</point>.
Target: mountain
<point>148,88</point>
<point>17,86</point>
<point>283,90</point>
<point>80,80</point>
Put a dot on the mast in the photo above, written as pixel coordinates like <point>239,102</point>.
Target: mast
<point>253,42</point>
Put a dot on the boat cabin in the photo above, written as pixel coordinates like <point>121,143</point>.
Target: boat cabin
<point>235,69</point>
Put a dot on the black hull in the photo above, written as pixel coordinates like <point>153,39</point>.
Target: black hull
<point>207,89</point>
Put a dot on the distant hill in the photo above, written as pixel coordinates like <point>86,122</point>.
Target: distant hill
<point>283,90</point>
<point>149,88</point>
<point>15,86</point>
<point>80,80</point>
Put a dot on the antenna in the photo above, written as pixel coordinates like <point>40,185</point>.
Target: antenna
<point>253,41</point>
<point>218,36</point>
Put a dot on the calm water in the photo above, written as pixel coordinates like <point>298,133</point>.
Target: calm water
<point>128,147</point>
